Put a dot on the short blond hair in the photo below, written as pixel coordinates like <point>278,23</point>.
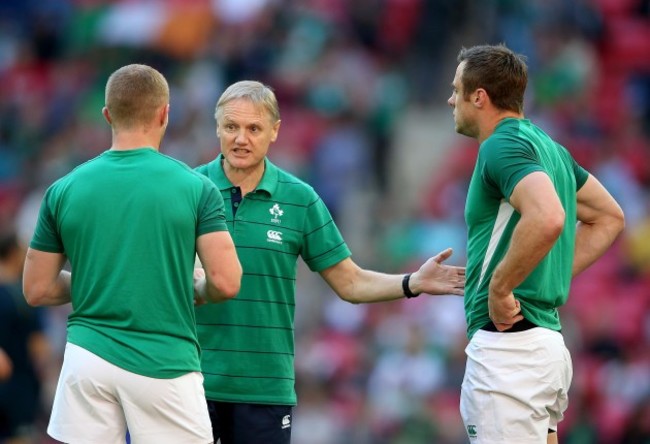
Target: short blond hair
<point>257,93</point>
<point>133,94</point>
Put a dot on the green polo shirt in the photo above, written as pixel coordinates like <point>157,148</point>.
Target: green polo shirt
<point>247,342</point>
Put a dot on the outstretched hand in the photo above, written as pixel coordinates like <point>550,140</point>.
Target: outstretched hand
<point>436,278</point>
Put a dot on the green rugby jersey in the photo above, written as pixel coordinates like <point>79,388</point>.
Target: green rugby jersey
<point>516,149</point>
<point>247,342</point>
<point>128,223</point>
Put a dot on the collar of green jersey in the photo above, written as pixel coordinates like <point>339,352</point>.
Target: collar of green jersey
<point>269,182</point>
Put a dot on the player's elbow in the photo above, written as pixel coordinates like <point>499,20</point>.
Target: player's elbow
<point>613,222</point>
<point>221,291</point>
<point>35,293</point>
<point>230,289</point>
<point>350,298</point>
<point>553,225</point>
<point>617,220</point>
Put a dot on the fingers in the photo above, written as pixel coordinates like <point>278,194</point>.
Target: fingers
<point>454,268</point>
<point>506,321</point>
<point>502,326</point>
<point>457,286</point>
<point>504,311</point>
<point>457,291</point>
<point>460,270</point>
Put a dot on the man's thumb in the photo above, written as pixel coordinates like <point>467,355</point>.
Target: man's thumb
<point>444,255</point>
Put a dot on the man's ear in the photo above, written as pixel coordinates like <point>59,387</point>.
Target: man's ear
<point>276,130</point>
<point>107,115</point>
<point>164,115</point>
<point>480,98</point>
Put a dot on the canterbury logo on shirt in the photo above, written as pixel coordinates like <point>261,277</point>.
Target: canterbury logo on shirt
<point>286,421</point>
<point>274,236</point>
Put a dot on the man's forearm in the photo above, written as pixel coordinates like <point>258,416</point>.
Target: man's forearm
<point>58,293</point>
<point>592,240</point>
<point>357,285</point>
<point>530,242</point>
<point>372,286</point>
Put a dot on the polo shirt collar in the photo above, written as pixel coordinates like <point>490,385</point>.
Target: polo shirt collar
<point>269,182</point>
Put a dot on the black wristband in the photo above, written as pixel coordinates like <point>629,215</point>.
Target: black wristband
<point>405,287</point>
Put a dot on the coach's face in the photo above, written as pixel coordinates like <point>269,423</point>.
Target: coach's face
<point>464,110</point>
<point>246,131</point>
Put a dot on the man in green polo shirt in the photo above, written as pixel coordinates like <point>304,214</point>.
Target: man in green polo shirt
<point>247,343</point>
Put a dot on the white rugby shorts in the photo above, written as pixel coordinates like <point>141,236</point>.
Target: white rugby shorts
<point>95,400</point>
<point>515,386</point>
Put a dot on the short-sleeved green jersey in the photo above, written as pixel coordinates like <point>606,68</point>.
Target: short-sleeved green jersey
<point>516,149</point>
<point>128,223</point>
<point>247,342</point>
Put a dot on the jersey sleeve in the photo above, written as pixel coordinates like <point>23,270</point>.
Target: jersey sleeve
<point>505,162</point>
<point>212,214</point>
<point>581,174</point>
<point>46,236</point>
<point>323,244</point>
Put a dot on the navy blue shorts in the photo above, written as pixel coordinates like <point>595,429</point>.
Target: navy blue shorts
<point>236,423</point>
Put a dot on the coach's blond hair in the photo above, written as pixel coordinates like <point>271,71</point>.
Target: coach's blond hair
<point>253,91</point>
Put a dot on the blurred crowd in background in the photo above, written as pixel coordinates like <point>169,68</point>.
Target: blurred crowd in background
<point>362,87</point>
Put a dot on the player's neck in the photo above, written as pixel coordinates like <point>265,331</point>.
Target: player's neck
<point>130,140</point>
<point>491,123</point>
